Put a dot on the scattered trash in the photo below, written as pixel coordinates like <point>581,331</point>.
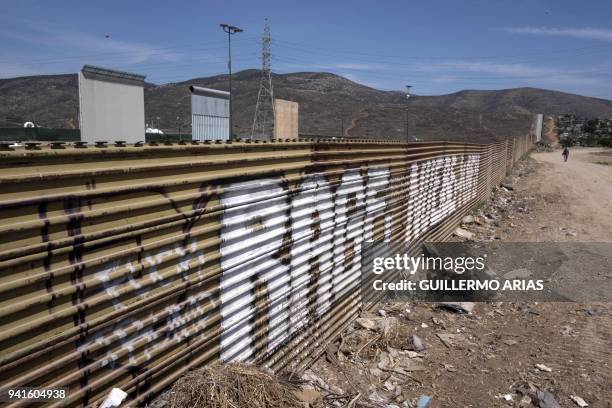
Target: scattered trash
<point>468,219</point>
<point>114,399</point>
<point>546,400</point>
<point>507,186</point>
<point>423,402</point>
<point>417,343</point>
<point>579,401</point>
<point>507,397</point>
<point>525,402</point>
<point>460,232</point>
<point>542,367</point>
<point>459,307</point>
<point>368,324</point>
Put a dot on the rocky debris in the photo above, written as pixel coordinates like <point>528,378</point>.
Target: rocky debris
<point>579,401</point>
<point>546,400</point>
<point>417,343</point>
<point>544,368</point>
<point>424,401</point>
<point>458,307</point>
<point>446,339</point>
<point>468,219</point>
<point>309,396</point>
<point>525,402</point>
<point>569,232</point>
<point>310,377</point>
<point>463,233</point>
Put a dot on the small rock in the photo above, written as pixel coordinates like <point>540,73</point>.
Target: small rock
<point>507,397</point>
<point>446,339</point>
<point>417,343</point>
<point>458,307</point>
<point>507,186</point>
<point>308,395</point>
<point>579,401</point>
<point>521,273</point>
<point>468,219</point>
<point>460,232</point>
<point>376,372</point>
<point>423,402</point>
<point>525,402</point>
<point>542,367</point>
<point>424,325</point>
<point>571,233</point>
<point>375,397</point>
<point>510,342</point>
<point>546,400</point>
<point>382,312</point>
<point>368,324</point>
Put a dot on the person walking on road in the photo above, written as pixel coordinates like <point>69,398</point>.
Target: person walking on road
<point>565,153</point>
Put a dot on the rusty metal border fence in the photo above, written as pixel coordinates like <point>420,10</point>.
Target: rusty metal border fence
<point>125,266</point>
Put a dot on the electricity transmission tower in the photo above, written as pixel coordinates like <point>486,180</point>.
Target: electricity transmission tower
<point>263,122</point>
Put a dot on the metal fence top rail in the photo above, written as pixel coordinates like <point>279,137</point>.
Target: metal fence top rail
<point>31,148</point>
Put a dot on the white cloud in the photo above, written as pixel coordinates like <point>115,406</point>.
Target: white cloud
<point>455,71</point>
<point>601,34</point>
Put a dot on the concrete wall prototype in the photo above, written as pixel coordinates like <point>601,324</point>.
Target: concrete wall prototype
<point>126,266</point>
<point>286,119</point>
<point>538,127</point>
<point>209,114</point>
<point>111,105</point>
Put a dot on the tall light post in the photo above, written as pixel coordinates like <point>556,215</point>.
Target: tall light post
<point>407,98</point>
<point>229,29</point>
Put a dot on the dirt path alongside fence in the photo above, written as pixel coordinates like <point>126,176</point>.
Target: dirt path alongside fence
<point>490,357</point>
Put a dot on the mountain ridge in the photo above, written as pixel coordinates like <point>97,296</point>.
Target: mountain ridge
<point>329,105</point>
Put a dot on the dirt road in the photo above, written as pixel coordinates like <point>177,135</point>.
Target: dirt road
<point>576,195</point>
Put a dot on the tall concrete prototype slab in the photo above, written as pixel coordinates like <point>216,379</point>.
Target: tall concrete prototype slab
<point>285,119</point>
<point>209,114</point>
<point>111,105</point>
<point>538,129</point>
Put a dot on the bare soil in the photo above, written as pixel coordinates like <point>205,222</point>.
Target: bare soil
<point>483,358</point>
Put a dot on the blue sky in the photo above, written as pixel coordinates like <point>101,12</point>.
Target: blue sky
<point>436,46</point>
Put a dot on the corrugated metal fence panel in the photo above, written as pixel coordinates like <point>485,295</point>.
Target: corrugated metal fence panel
<point>124,267</point>
<point>206,127</point>
<point>209,118</point>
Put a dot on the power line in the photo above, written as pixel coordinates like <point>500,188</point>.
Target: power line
<point>311,48</point>
<point>147,53</point>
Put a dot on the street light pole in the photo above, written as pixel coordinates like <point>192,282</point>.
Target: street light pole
<point>407,98</point>
<point>229,29</point>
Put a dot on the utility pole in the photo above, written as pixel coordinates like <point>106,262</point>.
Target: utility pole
<point>407,98</point>
<point>263,120</point>
<point>229,29</point>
